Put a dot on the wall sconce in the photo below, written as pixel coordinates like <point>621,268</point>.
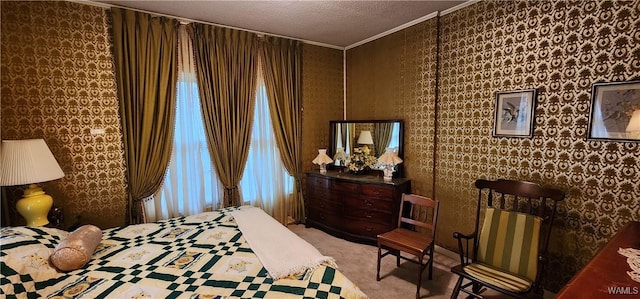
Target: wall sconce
<point>322,159</point>
<point>28,162</point>
<point>388,162</point>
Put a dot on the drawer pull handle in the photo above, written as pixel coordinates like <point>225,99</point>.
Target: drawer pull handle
<point>369,229</point>
<point>369,203</point>
<point>369,216</point>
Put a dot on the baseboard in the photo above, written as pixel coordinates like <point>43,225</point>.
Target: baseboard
<point>455,256</point>
<point>447,252</point>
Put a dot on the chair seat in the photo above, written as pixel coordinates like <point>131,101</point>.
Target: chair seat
<point>498,278</point>
<point>409,240</point>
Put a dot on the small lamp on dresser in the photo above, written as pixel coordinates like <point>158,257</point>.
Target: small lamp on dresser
<point>388,162</point>
<point>340,156</point>
<point>322,159</point>
<point>28,162</point>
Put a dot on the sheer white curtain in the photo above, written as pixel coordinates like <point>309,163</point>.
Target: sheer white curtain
<point>191,184</point>
<point>265,182</point>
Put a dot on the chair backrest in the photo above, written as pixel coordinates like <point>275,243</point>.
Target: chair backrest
<point>419,212</point>
<point>517,225</point>
<point>510,241</point>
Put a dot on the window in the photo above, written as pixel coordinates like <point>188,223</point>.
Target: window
<point>265,181</point>
<point>395,137</point>
<point>191,185</point>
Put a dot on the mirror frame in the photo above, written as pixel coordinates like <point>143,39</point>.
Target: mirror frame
<point>399,173</point>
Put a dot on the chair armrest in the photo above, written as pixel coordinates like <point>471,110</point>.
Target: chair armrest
<point>459,235</point>
<point>464,252</point>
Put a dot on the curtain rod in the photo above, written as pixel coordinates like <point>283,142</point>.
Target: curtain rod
<point>187,20</point>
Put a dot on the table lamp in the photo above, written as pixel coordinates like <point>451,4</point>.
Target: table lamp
<point>322,159</point>
<point>340,156</point>
<point>365,139</point>
<point>28,162</point>
<point>388,161</point>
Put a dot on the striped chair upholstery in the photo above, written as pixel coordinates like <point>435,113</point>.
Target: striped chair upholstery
<point>507,250</point>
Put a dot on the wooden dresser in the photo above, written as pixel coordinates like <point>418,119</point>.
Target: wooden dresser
<point>605,276</point>
<point>353,207</point>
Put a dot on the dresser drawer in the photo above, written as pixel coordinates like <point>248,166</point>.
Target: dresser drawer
<point>377,191</point>
<point>365,228</point>
<point>385,218</point>
<point>332,219</point>
<point>339,186</point>
<point>325,205</point>
<point>317,194</point>
<point>369,203</point>
<point>317,183</point>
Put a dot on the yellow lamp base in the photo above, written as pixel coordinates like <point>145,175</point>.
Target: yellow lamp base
<point>34,206</point>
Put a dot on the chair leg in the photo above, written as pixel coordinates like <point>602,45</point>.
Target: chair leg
<point>378,272</point>
<point>420,270</point>
<point>456,289</point>
<point>431,264</point>
<point>476,288</point>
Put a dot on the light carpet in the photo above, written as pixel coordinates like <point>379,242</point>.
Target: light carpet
<point>358,263</point>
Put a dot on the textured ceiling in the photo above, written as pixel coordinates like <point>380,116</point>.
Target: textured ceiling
<point>337,23</point>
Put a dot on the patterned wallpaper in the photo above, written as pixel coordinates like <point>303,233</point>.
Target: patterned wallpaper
<point>392,78</point>
<point>58,84</point>
<point>559,47</point>
<point>322,96</point>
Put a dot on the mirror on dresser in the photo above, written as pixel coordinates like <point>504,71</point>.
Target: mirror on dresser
<point>345,135</point>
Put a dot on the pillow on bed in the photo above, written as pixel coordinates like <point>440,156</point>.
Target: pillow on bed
<point>76,250</point>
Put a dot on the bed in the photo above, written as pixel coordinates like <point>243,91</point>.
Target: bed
<point>199,256</point>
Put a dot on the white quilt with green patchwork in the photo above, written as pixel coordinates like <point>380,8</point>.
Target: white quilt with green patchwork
<point>200,256</point>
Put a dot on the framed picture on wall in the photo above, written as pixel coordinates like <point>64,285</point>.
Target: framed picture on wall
<point>514,113</point>
<point>615,111</point>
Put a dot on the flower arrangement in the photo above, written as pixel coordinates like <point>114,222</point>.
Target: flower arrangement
<point>360,160</point>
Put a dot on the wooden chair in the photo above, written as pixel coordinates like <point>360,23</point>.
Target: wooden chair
<point>415,234</point>
<point>509,252</point>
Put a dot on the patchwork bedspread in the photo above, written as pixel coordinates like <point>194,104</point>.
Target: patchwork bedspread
<point>200,256</point>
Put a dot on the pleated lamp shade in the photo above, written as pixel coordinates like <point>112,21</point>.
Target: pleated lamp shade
<point>340,154</point>
<point>390,158</point>
<point>24,162</point>
<point>322,158</point>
